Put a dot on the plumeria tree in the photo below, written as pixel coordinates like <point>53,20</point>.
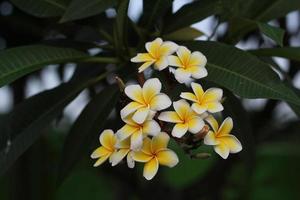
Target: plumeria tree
<point>168,110</point>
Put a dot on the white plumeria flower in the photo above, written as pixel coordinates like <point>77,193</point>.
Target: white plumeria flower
<point>107,149</point>
<point>223,142</point>
<point>137,131</point>
<point>158,52</point>
<point>155,153</point>
<point>184,118</point>
<point>146,100</point>
<point>123,150</point>
<point>189,65</point>
<point>204,101</point>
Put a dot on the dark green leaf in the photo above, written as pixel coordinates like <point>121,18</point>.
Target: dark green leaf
<point>86,128</point>
<point>185,34</point>
<point>274,33</point>
<point>19,61</point>
<point>153,11</point>
<point>292,53</point>
<point>191,13</point>
<point>42,8</point>
<point>25,124</point>
<point>121,24</point>
<point>242,73</point>
<point>79,9</point>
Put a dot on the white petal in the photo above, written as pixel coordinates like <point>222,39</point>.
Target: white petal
<point>160,102</point>
<point>134,92</point>
<point>150,168</point>
<point>117,157</point>
<point>140,115</point>
<point>168,48</point>
<point>151,127</point>
<point>197,58</point>
<point>145,66</point>
<point>195,125</point>
<point>222,150</point>
<point>174,61</point>
<point>162,63</point>
<point>130,108</point>
<point>130,161</point>
<point>151,88</point>
<point>179,130</point>
<point>210,139</point>
<point>136,141</point>
<point>153,46</point>
<point>198,72</point>
<point>199,109</point>
<point>182,76</point>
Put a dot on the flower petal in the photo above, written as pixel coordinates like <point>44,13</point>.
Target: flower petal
<point>151,88</point>
<point>169,116</point>
<point>214,107</point>
<point>134,92</point>
<point>212,95</point>
<point>198,90</point>
<point>225,127</point>
<point>150,168</point>
<point>108,139</point>
<point>197,72</point>
<point>182,76</point>
<point>140,156</point>
<point>117,157</point>
<point>99,152</point>
<point>136,141</point>
<point>179,130</point>
<point>142,57</point>
<point>210,139</point>
<point>130,108</point>
<point>198,59</point>
<point>174,61</point>
<point>125,132</point>
<point>182,108</point>
<point>144,66</point>
<point>130,161</point>
<point>222,150</point>
<point>147,146</point>
<point>232,143</point>
<point>140,115</point>
<point>199,109</point>
<point>151,127</point>
<point>213,123</point>
<point>168,48</point>
<point>184,55</point>
<point>160,102</point>
<point>124,144</point>
<point>160,142</point>
<point>167,158</point>
<point>161,63</point>
<point>195,125</point>
<point>153,47</point>
<point>101,160</point>
<point>189,96</point>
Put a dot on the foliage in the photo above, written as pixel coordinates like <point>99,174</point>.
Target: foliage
<point>40,33</point>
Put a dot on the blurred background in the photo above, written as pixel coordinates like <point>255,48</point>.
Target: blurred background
<point>266,169</point>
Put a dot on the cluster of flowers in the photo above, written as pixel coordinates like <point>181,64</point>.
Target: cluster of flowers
<point>141,138</point>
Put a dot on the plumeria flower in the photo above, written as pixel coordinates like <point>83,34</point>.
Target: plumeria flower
<point>184,118</point>
<point>223,142</point>
<point>107,149</point>
<point>123,151</point>
<point>146,100</point>
<point>158,52</point>
<point>189,65</point>
<point>137,131</point>
<point>155,152</point>
<point>204,101</point>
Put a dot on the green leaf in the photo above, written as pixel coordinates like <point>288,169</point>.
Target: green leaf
<point>153,11</point>
<point>86,129</point>
<point>42,8</point>
<point>276,34</point>
<point>292,53</point>
<point>25,124</point>
<point>19,61</point>
<point>79,9</point>
<point>190,14</point>
<point>242,73</point>
<point>121,25</point>
<point>184,34</point>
